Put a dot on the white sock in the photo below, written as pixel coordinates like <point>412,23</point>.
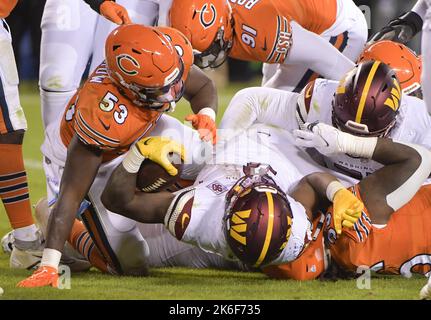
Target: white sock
<point>53,104</point>
<point>26,233</point>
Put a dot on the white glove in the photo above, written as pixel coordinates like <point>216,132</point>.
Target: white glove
<point>330,141</point>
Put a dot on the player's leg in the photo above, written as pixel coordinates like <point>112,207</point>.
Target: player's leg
<point>117,238</point>
<point>140,11</point>
<point>13,177</point>
<point>67,39</point>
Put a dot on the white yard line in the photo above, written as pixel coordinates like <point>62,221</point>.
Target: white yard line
<point>33,164</point>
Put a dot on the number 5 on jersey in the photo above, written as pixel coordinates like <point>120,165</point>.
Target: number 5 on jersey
<point>108,104</point>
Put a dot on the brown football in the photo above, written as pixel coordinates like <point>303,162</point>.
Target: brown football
<point>153,178</point>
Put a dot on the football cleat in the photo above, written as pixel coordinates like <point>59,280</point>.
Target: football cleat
<point>7,242</point>
<point>27,254</point>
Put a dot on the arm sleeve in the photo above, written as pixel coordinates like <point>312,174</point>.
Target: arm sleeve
<point>421,8</point>
<point>95,4</point>
<point>318,54</point>
<point>260,105</point>
<point>426,59</point>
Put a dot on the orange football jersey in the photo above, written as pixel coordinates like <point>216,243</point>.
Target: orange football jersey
<point>262,27</point>
<point>6,7</point>
<point>310,264</point>
<point>403,246</point>
<point>101,117</point>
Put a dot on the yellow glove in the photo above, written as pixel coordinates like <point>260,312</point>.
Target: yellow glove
<point>157,149</point>
<point>347,209</point>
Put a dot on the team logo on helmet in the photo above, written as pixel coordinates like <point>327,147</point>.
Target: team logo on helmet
<point>203,17</point>
<point>122,58</point>
<point>394,101</point>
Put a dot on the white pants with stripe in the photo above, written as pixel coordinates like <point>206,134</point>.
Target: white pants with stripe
<point>12,116</point>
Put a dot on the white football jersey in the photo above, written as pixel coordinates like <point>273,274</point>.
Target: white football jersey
<point>413,126</point>
<point>196,215</point>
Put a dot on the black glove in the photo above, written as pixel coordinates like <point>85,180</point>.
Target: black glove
<point>401,29</point>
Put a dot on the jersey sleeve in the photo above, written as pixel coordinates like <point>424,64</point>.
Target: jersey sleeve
<point>260,105</point>
<point>319,55</point>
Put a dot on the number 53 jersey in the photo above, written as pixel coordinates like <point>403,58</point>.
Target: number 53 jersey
<point>103,118</point>
<point>262,27</point>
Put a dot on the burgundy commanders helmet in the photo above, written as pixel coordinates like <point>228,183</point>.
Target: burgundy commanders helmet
<point>258,220</point>
<point>367,100</point>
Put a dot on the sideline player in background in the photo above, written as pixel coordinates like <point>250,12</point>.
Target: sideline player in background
<point>293,38</point>
<point>13,176</point>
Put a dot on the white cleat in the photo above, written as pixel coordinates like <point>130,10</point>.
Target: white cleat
<point>70,257</point>
<point>7,242</point>
<point>425,293</point>
<point>27,254</point>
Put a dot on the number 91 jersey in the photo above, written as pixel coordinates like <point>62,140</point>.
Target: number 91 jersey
<point>103,118</point>
<point>262,27</point>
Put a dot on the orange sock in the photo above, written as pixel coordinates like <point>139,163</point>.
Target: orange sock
<point>14,187</point>
<point>80,239</point>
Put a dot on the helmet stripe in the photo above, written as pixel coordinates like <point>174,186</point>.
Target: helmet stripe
<point>268,230</point>
<point>366,91</point>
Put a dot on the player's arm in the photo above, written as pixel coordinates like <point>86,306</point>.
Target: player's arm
<point>110,10</point>
<point>259,105</point>
<point>318,190</point>
<point>120,194</point>
<point>317,54</point>
<point>405,27</point>
<point>81,167</point>
<point>386,190</point>
<point>201,92</point>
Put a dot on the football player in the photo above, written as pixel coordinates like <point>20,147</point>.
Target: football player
<point>122,101</point>
<point>297,40</point>
<point>389,238</point>
<point>13,176</point>
<point>239,215</point>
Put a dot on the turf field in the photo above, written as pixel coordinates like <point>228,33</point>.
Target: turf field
<point>175,283</point>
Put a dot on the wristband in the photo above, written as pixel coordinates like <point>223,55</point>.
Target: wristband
<point>133,160</point>
<point>50,258</point>
<point>332,189</point>
<point>358,146</point>
<point>208,112</point>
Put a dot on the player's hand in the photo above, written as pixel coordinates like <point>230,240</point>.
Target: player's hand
<point>206,126</point>
<point>157,149</point>
<point>347,209</point>
<point>322,137</point>
<point>42,277</point>
<point>114,12</point>
<point>401,29</point>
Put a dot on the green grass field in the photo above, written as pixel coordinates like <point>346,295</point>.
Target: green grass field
<point>175,283</point>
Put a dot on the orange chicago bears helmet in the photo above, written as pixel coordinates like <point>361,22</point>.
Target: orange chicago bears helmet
<point>145,65</point>
<point>207,24</point>
<point>399,57</point>
<point>182,45</point>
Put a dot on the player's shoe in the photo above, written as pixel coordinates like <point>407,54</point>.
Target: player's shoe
<point>7,242</point>
<point>27,254</point>
<point>42,277</point>
<point>425,293</point>
<point>70,257</point>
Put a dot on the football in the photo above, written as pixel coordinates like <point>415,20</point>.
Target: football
<point>153,178</point>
